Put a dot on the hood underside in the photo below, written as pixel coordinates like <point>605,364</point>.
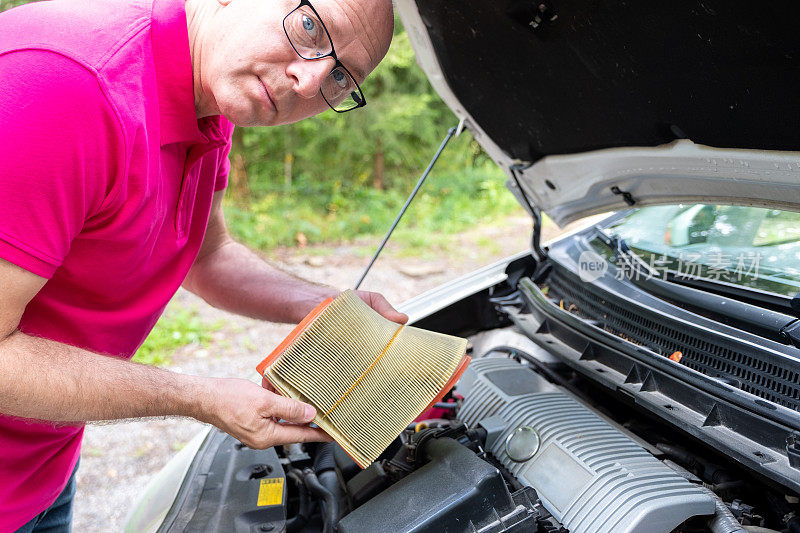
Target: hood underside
<point>587,96</point>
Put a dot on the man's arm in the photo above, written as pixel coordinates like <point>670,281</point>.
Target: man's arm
<point>47,380</point>
<point>229,276</point>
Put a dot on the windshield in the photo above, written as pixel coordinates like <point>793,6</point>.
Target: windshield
<point>749,246</point>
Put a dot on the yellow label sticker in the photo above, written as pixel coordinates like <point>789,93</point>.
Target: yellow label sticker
<point>270,491</point>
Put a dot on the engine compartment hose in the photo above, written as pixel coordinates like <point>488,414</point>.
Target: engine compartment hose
<point>719,478</point>
<point>325,469</point>
<point>689,460</point>
<point>331,505</point>
<point>723,520</point>
<point>306,508</point>
<point>324,458</point>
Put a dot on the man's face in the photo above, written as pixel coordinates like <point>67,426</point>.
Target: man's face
<point>251,74</point>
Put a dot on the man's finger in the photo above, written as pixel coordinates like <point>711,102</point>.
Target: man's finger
<point>267,385</point>
<point>393,315</point>
<point>291,410</point>
<point>380,304</point>
<point>290,433</point>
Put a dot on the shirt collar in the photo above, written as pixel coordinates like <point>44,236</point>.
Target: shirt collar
<point>173,68</point>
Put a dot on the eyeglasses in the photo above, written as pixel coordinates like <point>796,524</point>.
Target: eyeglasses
<point>310,39</point>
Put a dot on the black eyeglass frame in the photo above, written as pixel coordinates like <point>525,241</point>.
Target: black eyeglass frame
<point>332,53</point>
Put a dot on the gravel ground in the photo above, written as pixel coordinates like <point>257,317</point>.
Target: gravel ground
<point>119,459</point>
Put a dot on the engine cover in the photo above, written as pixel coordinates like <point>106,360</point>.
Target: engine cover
<point>455,492</point>
<point>587,473</point>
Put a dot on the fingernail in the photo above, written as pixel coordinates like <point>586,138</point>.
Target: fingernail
<point>310,412</point>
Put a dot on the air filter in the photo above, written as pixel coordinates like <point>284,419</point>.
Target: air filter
<point>367,377</point>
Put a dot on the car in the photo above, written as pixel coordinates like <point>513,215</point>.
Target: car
<point>638,374</point>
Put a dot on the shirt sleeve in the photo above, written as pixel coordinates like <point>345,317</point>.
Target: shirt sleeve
<point>61,146</point>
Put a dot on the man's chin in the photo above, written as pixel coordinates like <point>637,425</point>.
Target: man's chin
<point>247,118</point>
<point>251,123</point>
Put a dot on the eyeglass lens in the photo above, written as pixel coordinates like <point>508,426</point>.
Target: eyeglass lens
<point>307,34</point>
<point>310,40</point>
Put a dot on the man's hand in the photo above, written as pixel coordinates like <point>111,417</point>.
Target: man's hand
<point>249,413</point>
<point>382,306</point>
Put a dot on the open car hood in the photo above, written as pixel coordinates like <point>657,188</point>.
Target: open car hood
<point>601,105</point>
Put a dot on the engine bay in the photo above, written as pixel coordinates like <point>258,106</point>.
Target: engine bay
<point>523,444</point>
<point>558,425</point>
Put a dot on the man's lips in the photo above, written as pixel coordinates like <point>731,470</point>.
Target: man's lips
<point>269,99</point>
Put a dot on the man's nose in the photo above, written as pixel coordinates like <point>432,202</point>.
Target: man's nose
<point>307,76</point>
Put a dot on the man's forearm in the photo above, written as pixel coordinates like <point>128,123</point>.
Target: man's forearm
<point>47,380</point>
<point>234,278</point>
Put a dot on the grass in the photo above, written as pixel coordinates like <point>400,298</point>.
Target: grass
<point>488,245</point>
<point>175,328</point>
<point>447,204</point>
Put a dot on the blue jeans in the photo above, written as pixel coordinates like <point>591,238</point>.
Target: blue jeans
<point>58,517</point>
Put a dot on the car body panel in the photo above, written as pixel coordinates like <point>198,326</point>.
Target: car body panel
<point>569,165</point>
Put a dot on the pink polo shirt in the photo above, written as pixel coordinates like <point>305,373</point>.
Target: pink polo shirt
<point>106,183</point>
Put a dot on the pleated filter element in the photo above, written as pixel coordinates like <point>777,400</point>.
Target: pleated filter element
<point>367,377</point>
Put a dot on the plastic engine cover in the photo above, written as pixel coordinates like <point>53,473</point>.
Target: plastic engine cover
<point>454,492</point>
<point>587,473</point>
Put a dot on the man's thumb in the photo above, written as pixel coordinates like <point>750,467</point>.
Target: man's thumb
<point>292,410</point>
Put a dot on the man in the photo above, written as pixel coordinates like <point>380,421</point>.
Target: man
<point>113,161</point>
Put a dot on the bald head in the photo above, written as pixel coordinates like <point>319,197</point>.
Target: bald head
<point>365,24</point>
<point>384,16</point>
<point>377,18</point>
<point>246,68</point>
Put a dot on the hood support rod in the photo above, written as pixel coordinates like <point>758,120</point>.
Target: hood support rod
<point>450,133</point>
<point>536,238</point>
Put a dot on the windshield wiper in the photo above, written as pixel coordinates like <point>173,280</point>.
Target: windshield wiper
<point>623,252</point>
<point>744,315</point>
<point>640,268</point>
